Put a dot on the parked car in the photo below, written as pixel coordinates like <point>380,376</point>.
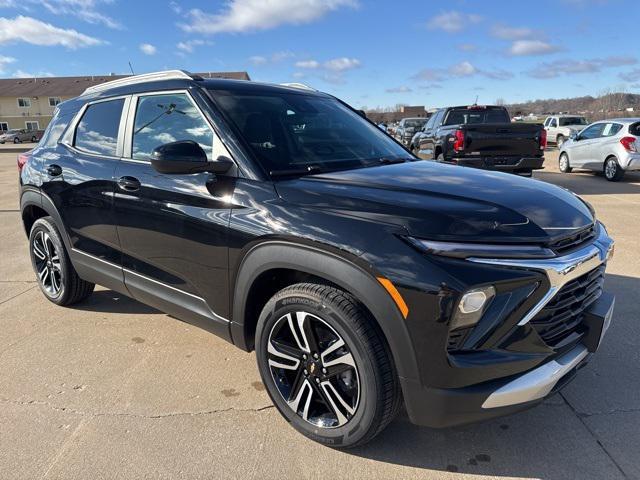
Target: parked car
<point>18,136</point>
<point>560,127</point>
<point>609,146</point>
<point>281,220</point>
<point>482,137</point>
<point>407,128</point>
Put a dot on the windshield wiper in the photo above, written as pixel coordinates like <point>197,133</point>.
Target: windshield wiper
<point>306,170</point>
<point>391,161</point>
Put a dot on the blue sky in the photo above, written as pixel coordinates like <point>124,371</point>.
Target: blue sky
<point>370,53</point>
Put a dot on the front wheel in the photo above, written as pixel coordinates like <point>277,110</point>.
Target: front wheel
<point>563,163</point>
<point>34,139</point>
<point>326,365</point>
<point>55,274</point>
<point>16,140</point>
<point>612,170</point>
<point>559,140</point>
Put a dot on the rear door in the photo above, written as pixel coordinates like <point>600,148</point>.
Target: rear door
<point>173,228</point>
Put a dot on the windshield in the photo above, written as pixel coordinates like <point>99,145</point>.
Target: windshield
<point>572,121</point>
<point>300,133</point>
<point>461,116</point>
<point>414,123</point>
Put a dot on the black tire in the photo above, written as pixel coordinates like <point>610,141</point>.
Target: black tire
<point>612,170</point>
<point>563,163</point>
<point>16,140</point>
<point>373,373</point>
<point>47,251</point>
<point>34,139</point>
<point>560,140</point>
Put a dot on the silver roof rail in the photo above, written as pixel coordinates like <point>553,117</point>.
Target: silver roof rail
<point>144,78</point>
<point>301,86</point>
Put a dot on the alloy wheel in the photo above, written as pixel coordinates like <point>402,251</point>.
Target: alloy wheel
<point>47,262</point>
<point>564,163</point>
<point>610,168</point>
<point>313,369</point>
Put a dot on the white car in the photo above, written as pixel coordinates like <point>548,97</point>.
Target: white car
<point>560,127</point>
<point>609,146</point>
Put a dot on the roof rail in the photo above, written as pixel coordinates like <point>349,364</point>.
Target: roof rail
<point>301,86</point>
<point>144,78</point>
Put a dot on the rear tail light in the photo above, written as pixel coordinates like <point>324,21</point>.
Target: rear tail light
<point>629,144</point>
<point>458,143</point>
<point>23,158</point>
<point>543,139</point>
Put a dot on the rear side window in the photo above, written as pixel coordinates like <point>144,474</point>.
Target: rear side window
<point>55,129</point>
<point>97,131</point>
<point>611,129</point>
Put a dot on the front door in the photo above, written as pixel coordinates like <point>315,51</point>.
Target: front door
<point>583,151</point>
<point>173,228</point>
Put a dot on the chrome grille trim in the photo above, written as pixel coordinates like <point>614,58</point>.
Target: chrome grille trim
<point>560,270</point>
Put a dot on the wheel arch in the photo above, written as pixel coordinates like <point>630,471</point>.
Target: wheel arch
<point>322,265</point>
<point>34,205</point>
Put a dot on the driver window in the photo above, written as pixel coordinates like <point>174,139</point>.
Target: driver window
<point>168,118</point>
<point>592,132</point>
<point>553,123</point>
<point>429,124</point>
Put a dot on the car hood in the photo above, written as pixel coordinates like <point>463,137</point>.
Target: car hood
<point>436,201</point>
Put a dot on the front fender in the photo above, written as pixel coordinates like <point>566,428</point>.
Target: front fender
<point>353,278</point>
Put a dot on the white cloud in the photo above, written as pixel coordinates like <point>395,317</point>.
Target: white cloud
<point>532,47</point>
<point>401,89</point>
<point>148,49</point>
<point>311,64</point>
<point>175,6</point>
<point>4,61</point>
<point>341,64</point>
<point>85,10</point>
<point>558,68</point>
<point>273,58</point>
<point>35,32</point>
<point>506,32</point>
<point>453,21</point>
<point>631,76</point>
<point>22,74</point>
<point>190,45</point>
<point>460,70</point>
<point>252,15</point>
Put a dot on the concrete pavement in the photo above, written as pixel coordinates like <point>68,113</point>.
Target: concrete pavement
<point>114,389</point>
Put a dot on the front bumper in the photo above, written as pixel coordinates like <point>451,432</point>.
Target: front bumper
<point>531,369</point>
<point>448,407</point>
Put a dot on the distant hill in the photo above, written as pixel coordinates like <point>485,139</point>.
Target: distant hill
<point>595,108</point>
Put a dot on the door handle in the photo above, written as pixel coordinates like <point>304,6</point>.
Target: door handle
<point>130,184</point>
<point>54,170</point>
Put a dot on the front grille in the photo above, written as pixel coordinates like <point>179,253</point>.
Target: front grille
<point>457,338</point>
<point>559,323</point>
<point>574,241</point>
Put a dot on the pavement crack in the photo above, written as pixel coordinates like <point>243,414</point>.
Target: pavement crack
<point>75,411</point>
<point>582,418</point>
<point>17,295</point>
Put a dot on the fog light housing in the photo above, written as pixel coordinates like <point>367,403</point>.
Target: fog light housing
<point>472,305</point>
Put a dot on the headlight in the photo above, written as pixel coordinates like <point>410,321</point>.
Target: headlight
<point>464,250</point>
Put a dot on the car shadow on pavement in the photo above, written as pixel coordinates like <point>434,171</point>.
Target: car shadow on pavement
<point>553,439</point>
<point>109,301</point>
<point>591,183</point>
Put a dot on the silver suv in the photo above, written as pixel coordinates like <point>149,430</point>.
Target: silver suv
<point>608,146</point>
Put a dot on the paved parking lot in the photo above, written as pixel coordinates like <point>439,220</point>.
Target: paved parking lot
<point>114,389</point>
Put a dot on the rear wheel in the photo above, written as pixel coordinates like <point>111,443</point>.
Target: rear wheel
<point>326,365</point>
<point>612,170</point>
<point>563,163</point>
<point>16,140</point>
<point>34,139</point>
<point>55,274</point>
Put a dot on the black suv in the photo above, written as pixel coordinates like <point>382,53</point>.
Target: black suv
<point>281,220</point>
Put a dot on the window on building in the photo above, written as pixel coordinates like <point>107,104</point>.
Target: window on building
<point>53,101</point>
<point>97,131</point>
<point>24,102</point>
<point>168,118</point>
<point>4,126</point>
<point>32,126</point>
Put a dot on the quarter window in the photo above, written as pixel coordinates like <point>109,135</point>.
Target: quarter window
<point>168,118</point>
<point>611,129</point>
<point>24,102</point>
<point>97,131</point>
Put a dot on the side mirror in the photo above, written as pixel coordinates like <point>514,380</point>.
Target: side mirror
<point>362,113</point>
<point>186,156</point>
<point>574,136</point>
